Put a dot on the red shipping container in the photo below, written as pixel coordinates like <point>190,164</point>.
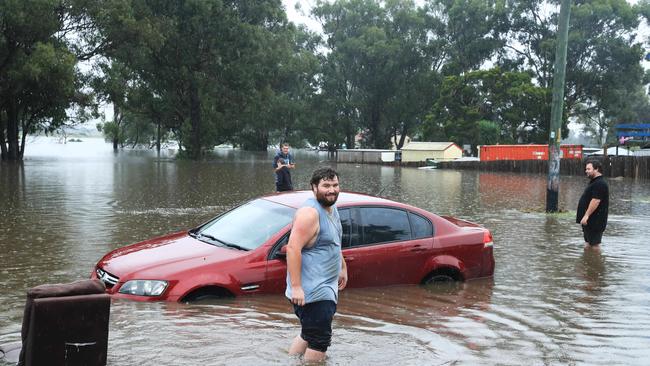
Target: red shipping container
<point>526,152</point>
<point>571,151</point>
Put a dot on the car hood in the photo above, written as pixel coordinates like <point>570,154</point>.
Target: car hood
<point>157,258</point>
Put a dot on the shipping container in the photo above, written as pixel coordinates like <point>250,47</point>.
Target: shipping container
<point>526,152</point>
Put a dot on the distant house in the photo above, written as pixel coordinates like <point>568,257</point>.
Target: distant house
<point>612,151</point>
<point>440,151</point>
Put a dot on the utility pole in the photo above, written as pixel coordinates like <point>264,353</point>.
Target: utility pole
<point>555,130</point>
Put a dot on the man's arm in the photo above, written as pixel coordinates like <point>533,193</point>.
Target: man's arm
<point>276,163</point>
<point>279,166</point>
<point>303,232</point>
<point>593,205</point>
<point>343,276</point>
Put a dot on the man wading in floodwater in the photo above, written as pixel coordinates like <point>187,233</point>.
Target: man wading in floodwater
<point>316,269</point>
<point>593,206</point>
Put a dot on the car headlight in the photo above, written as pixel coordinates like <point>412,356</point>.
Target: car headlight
<point>144,287</point>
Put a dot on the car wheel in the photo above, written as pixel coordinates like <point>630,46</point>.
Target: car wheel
<point>438,278</point>
<point>208,293</point>
<point>205,297</point>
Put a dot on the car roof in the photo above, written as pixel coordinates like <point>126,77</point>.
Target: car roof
<point>295,199</point>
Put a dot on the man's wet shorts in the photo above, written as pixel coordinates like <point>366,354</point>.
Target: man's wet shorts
<point>316,321</point>
<point>591,236</point>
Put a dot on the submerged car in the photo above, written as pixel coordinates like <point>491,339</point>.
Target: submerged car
<point>242,251</point>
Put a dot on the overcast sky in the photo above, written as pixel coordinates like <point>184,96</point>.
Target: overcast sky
<point>301,15</point>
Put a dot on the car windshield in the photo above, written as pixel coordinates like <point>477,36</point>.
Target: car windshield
<point>248,226</point>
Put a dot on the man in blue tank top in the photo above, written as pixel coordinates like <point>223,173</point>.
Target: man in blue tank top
<point>316,270</point>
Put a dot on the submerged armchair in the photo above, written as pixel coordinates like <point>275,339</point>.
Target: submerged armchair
<point>65,324</point>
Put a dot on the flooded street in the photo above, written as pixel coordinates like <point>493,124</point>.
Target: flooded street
<point>549,303</point>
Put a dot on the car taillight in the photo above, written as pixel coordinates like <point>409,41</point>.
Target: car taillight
<point>487,240</point>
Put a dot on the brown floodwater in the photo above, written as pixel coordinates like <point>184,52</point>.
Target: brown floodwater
<point>549,303</point>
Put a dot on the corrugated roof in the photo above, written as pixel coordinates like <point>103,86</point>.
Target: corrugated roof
<point>428,146</point>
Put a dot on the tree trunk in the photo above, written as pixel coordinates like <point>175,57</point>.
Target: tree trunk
<point>375,138</point>
<point>195,121</point>
<point>137,139</point>
<point>262,141</point>
<point>3,140</point>
<point>12,131</point>
<point>21,147</point>
<point>158,136</point>
<point>117,118</point>
<point>402,138</point>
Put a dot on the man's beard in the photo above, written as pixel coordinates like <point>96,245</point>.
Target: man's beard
<point>324,201</point>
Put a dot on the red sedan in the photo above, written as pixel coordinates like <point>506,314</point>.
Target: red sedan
<point>241,251</point>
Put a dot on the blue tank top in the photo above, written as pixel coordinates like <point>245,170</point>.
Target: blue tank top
<point>321,263</point>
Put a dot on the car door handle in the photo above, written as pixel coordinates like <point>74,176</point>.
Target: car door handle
<point>348,259</point>
<point>250,287</point>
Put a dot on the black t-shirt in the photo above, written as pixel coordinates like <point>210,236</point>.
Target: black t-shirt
<point>284,180</point>
<point>597,189</point>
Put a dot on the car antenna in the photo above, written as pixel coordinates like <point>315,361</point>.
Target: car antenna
<point>380,191</point>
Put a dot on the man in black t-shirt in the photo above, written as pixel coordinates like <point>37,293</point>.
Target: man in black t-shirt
<point>593,205</point>
<point>284,177</point>
<point>283,169</point>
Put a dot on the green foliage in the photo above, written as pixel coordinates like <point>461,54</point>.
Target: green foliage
<point>38,80</point>
<point>111,131</point>
<point>468,32</point>
<point>603,58</point>
<point>388,59</point>
<point>509,100</point>
<point>488,132</point>
<point>214,71</point>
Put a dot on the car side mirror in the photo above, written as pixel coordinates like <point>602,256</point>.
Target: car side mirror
<point>282,253</point>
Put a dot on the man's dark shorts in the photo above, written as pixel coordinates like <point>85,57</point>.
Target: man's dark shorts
<point>591,236</point>
<point>316,321</point>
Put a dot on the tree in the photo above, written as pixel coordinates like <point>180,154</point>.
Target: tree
<point>336,118</point>
<point>515,103</point>
<point>278,108</point>
<point>624,106</point>
<point>603,57</point>
<point>38,80</point>
<point>465,33</point>
<point>488,132</point>
<point>111,84</point>
<point>211,64</point>
<point>387,58</point>
<point>465,103</point>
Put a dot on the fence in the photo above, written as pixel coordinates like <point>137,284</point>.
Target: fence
<point>637,167</point>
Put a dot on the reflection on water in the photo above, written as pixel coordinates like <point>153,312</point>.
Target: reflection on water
<point>549,302</point>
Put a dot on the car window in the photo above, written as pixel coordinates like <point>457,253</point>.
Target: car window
<point>421,227</point>
<point>346,224</point>
<point>380,224</point>
<point>249,225</point>
<point>284,240</point>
